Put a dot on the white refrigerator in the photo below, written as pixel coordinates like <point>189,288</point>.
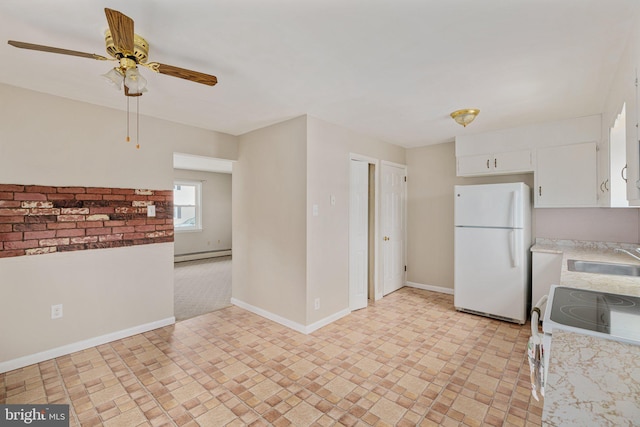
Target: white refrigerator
<point>492,243</point>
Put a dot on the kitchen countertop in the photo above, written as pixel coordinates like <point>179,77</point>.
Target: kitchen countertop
<point>592,381</point>
<point>593,251</point>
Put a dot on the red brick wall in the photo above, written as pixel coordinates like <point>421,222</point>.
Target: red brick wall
<point>37,219</point>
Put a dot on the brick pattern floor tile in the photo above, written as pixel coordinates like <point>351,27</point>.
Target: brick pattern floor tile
<point>409,359</point>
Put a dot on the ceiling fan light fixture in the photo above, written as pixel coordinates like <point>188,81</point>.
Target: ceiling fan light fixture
<point>465,116</point>
<point>134,81</point>
<point>114,77</point>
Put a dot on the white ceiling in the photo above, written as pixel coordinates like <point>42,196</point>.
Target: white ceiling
<point>392,69</point>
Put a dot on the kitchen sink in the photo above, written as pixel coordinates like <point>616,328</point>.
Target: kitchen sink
<point>603,268</point>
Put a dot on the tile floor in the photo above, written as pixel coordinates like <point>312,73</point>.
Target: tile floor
<point>409,359</point>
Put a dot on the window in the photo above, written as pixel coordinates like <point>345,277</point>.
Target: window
<point>187,210</point>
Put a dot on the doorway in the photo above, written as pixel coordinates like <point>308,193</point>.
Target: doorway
<point>377,229</point>
<point>362,214</point>
<point>202,234</point>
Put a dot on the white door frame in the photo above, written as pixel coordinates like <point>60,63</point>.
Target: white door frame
<point>404,237</point>
<point>377,265</point>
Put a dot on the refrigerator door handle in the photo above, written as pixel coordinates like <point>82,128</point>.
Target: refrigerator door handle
<point>513,248</point>
<point>515,209</point>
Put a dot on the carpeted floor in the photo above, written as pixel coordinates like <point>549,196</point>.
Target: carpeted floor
<point>201,286</point>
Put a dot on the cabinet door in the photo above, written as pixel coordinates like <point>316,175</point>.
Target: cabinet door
<point>566,176</point>
<point>546,271</point>
<point>474,165</point>
<point>617,179</point>
<point>513,161</point>
<point>495,164</point>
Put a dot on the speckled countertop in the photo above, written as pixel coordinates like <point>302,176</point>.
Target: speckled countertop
<point>593,251</point>
<point>592,381</point>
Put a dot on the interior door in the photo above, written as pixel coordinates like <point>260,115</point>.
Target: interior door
<point>358,235</point>
<point>393,227</point>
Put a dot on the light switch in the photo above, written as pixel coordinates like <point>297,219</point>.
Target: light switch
<point>151,210</point>
<point>333,200</point>
<point>315,210</point>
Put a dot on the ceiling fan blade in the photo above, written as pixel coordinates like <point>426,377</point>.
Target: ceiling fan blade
<point>31,46</point>
<point>121,27</point>
<point>194,76</point>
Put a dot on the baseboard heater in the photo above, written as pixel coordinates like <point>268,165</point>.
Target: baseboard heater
<point>201,255</point>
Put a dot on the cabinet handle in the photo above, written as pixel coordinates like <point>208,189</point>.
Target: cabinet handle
<point>487,163</point>
<point>602,187</point>
<point>606,182</point>
<point>540,191</point>
<point>622,173</point>
<point>495,162</point>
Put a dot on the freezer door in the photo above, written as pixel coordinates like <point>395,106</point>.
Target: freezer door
<point>491,272</point>
<point>494,205</point>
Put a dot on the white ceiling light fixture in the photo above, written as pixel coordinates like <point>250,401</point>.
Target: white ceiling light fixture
<point>466,116</point>
<point>134,81</point>
<point>115,78</point>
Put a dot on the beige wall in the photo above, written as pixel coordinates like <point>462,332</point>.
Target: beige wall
<point>102,291</point>
<point>284,257</point>
<point>269,220</point>
<point>597,224</point>
<point>216,214</point>
<point>329,148</point>
<point>49,140</point>
<point>432,175</point>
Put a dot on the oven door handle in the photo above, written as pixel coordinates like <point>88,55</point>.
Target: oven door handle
<point>536,313</point>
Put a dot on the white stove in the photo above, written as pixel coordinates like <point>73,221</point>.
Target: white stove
<point>589,312</point>
<point>594,313</point>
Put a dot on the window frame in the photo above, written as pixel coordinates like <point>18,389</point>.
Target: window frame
<point>197,226</point>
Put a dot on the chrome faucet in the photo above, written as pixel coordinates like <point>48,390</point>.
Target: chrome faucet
<point>629,253</point>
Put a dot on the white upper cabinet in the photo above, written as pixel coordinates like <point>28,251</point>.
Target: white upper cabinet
<point>566,176</point>
<point>561,154</point>
<point>496,164</point>
<point>612,165</point>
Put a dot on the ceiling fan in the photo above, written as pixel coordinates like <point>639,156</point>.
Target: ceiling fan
<point>130,50</point>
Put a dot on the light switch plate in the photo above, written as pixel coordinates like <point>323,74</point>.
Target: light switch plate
<point>151,210</point>
<point>56,311</point>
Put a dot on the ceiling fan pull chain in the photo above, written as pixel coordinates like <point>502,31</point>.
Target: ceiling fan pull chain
<point>128,139</point>
<point>138,122</point>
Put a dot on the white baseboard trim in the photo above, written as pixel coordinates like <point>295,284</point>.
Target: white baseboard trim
<point>31,359</point>
<point>201,255</point>
<point>289,323</point>
<point>327,320</point>
<point>440,289</point>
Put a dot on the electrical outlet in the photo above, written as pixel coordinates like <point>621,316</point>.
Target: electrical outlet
<point>316,304</point>
<point>56,311</point>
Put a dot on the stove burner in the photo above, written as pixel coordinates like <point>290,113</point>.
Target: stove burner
<point>587,317</point>
<point>611,299</point>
